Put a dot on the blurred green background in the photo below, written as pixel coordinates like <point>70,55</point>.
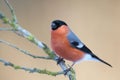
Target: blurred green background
<point>96,22</point>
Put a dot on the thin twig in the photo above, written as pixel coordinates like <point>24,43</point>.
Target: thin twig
<point>6,29</point>
<point>31,70</point>
<point>12,11</point>
<point>24,51</point>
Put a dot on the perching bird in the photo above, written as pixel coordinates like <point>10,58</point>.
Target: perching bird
<point>68,46</point>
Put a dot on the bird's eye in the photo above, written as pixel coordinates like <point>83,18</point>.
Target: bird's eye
<point>54,26</point>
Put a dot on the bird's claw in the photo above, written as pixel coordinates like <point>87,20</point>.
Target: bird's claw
<point>59,60</point>
<point>66,71</point>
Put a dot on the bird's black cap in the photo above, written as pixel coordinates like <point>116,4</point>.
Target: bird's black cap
<point>56,24</point>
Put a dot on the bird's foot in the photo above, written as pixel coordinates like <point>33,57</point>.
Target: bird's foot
<point>67,70</point>
<point>59,60</point>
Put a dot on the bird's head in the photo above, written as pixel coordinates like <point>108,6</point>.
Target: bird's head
<point>56,24</point>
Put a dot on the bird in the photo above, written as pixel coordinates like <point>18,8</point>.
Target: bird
<point>68,46</point>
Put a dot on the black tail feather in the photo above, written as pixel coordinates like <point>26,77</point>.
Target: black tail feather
<point>105,62</point>
<point>94,56</point>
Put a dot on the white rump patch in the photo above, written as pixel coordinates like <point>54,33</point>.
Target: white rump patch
<point>87,57</point>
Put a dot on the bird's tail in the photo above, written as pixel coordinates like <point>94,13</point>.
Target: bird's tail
<point>94,56</point>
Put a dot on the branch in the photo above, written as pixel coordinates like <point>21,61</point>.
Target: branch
<point>23,51</point>
<point>31,70</point>
<point>26,34</point>
<point>12,11</point>
<point>6,29</point>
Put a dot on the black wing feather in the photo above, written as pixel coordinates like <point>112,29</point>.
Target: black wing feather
<point>84,48</point>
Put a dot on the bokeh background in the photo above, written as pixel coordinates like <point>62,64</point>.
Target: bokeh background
<point>96,22</point>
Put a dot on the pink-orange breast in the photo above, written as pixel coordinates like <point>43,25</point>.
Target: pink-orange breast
<point>62,47</point>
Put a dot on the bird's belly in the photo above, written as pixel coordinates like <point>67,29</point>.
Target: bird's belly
<point>67,52</point>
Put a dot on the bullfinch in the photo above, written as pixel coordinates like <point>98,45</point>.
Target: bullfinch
<point>68,46</point>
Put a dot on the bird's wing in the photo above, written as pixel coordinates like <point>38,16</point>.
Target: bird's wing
<point>76,43</point>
